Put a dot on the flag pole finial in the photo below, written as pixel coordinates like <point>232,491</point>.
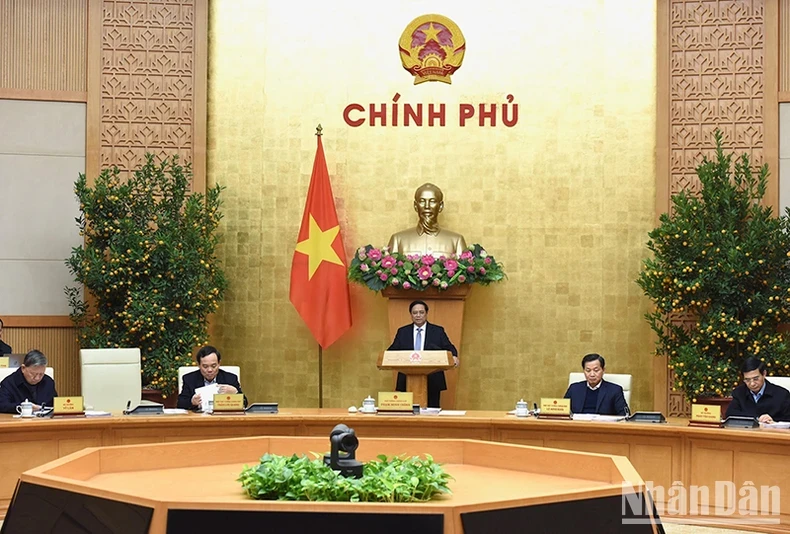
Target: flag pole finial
<point>319,130</point>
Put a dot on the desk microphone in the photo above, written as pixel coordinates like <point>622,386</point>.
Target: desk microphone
<point>627,410</point>
<point>128,405</point>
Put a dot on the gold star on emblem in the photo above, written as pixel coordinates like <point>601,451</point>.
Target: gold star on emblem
<point>431,33</point>
<point>318,247</point>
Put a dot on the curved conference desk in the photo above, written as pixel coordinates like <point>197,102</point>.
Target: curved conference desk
<point>722,462</point>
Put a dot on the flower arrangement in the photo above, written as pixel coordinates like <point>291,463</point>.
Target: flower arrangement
<point>378,268</point>
<point>719,279</point>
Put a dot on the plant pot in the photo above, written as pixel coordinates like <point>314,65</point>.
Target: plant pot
<point>724,402</point>
<point>154,395</point>
<point>458,292</point>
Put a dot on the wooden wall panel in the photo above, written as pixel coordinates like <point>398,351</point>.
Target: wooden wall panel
<point>150,82</point>
<point>58,344</point>
<point>784,51</point>
<point>43,49</point>
<point>715,71</point>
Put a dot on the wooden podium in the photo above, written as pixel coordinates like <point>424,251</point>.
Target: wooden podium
<point>446,310</point>
<point>416,365</point>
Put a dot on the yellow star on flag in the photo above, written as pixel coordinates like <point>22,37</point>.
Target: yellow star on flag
<point>318,246</point>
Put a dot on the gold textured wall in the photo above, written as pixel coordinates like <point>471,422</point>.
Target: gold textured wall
<point>564,199</point>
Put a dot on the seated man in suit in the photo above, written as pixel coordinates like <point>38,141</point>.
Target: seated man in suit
<point>4,348</point>
<point>422,335</point>
<point>208,373</point>
<point>757,397</point>
<point>28,383</point>
<point>596,395</point>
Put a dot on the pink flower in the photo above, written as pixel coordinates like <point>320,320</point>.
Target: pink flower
<point>451,265</point>
<point>461,279</point>
<point>471,269</point>
<point>374,254</point>
<point>413,257</point>
<point>443,285</point>
<point>400,264</point>
<point>394,270</point>
<point>378,272</point>
<point>436,281</point>
<point>384,276</point>
<point>364,267</point>
<point>395,282</point>
<point>466,255</point>
<point>488,261</point>
<point>427,260</point>
<point>388,262</point>
<point>406,285</point>
<point>424,272</point>
<point>450,273</point>
<point>482,270</point>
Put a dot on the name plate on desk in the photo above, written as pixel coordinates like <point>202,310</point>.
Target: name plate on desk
<point>229,403</point>
<point>555,408</point>
<point>4,362</point>
<point>705,415</point>
<point>428,358</point>
<point>395,401</point>
<point>68,406</point>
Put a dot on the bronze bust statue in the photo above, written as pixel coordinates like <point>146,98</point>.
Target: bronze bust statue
<point>427,237</point>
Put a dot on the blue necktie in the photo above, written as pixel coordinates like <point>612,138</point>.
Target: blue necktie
<point>418,340</point>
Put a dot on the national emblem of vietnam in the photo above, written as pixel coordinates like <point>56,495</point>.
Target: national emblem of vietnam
<point>432,48</point>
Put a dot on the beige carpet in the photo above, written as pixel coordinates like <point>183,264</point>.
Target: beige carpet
<point>674,528</point>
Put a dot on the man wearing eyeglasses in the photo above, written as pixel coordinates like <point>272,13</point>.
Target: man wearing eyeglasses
<point>422,335</point>
<point>757,397</point>
<point>28,383</point>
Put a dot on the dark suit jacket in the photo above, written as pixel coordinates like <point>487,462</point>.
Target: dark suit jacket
<point>775,402</point>
<point>611,400</point>
<point>435,339</point>
<point>14,389</point>
<point>5,348</point>
<point>194,380</point>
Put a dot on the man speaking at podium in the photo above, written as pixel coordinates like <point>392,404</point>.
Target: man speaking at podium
<point>422,335</point>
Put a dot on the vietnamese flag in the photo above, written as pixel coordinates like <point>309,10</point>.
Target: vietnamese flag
<point>319,285</point>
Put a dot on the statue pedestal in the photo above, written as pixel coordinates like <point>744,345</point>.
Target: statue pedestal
<point>446,310</point>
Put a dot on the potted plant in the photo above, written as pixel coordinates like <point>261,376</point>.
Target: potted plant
<point>149,266</point>
<point>719,279</point>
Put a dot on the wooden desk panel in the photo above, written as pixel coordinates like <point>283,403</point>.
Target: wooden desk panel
<point>662,454</point>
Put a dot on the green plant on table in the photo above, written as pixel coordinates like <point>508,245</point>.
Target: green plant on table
<point>299,478</point>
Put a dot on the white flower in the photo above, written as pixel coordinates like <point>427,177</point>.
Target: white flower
<point>483,253</point>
